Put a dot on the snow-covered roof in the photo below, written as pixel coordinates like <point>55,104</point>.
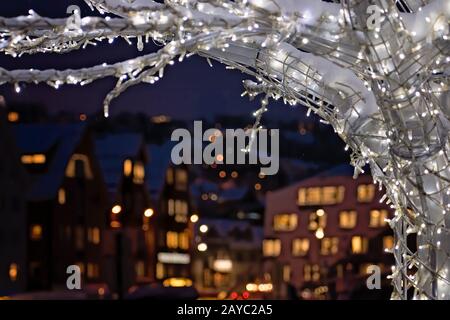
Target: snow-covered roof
<point>112,150</point>
<point>61,140</point>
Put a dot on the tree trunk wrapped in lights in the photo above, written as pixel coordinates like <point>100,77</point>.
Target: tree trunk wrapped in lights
<point>383,89</point>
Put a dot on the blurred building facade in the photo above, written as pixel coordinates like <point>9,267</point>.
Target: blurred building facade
<point>228,255</point>
<point>169,190</point>
<point>65,203</point>
<point>13,186</point>
<point>322,231</point>
<point>129,246</point>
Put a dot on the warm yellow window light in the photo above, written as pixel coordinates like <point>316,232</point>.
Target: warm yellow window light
<point>285,222</point>
<point>138,173</point>
<point>378,218</point>
<point>13,116</point>
<point>127,167</point>
<point>300,247</point>
<point>365,193</point>
<point>36,232</point>
<point>13,271</point>
<point>359,244</point>
<point>271,247</point>
<point>38,158</point>
<point>61,196</point>
<point>347,219</point>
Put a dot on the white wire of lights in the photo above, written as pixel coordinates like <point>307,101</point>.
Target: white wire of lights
<point>385,91</point>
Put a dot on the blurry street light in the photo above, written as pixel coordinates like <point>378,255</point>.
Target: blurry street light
<point>202,247</point>
<point>116,209</point>
<point>203,228</point>
<point>148,212</point>
<point>194,218</point>
<point>319,233</point>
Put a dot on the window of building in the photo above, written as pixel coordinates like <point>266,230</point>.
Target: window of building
<point>311,272</point>
<point>329,245</point>
<point>127,167</point>
<point>181,178</point>
<point>327,195</point>
<point>300,247</point>
<point>79,238</point>
<point>93,270</point>
<point>377,218</point>
<point>138,173</point>
<point>61,196</point>
<point>271,247</point>
<point>81,266</point>
<point>285,222</point>
<point>79,167</point>
<point>169,176</point>
<point>365,193</point>
<point>347,219</point>
<point>388,242</point>
<point>172,239</point>
<point>160,270</point>
<point>94,235</point>
<point>287,273</point>
<point>183,240</point>
<point>13,116</point>
<point>360,244</point>
<point>36,232</point>
<point>317,219</point>
<point>38,158</point>
<point>171,207</point>
<point>181,207</point>
<point>140,269</point>
<point>13,271</point>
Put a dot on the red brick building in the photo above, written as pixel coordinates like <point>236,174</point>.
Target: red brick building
<point>319,230</point>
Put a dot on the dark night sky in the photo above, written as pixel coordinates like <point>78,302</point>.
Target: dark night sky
<point>189,90</point>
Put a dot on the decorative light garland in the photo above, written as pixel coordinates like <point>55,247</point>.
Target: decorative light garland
<point>384,89</point>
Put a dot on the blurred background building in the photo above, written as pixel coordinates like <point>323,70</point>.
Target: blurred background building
<point>104,194</point>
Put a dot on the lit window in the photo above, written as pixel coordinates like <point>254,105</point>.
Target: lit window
<point>285,222</point>
<point>138,173</point>
<point>13,116</point>
<point>79,166</point>
<point>140,269</point>
<point>93,270</point>
<point>311,272</point>
<point>332,195</point>
<point>79,237</point>
<point>181,207</point>
<point>271,247</point>
<point>127,167</point>
<point>13,271</point>
<point>377,218</point>
<point>160,270</point>
<point>36,232</point>
<point>183,240</point>
<point>366,192</point>
<point>181,178</point>
<point>286,273</point>
<point>320,195</point>
<point>169,176</point>
<point>317,219</point>
<point>388,242</point>
<point>359,244</point>
<point>300,247</point>
<point>33,158</point>
<point>329,246</point>
<point>172,239</point>
<point>94,235</point>
<point>61,196</point>
<point>170,207</point>
<point>81,266</point>
<point>347,219</point>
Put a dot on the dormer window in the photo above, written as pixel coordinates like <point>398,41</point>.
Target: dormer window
<point>37,158</point>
